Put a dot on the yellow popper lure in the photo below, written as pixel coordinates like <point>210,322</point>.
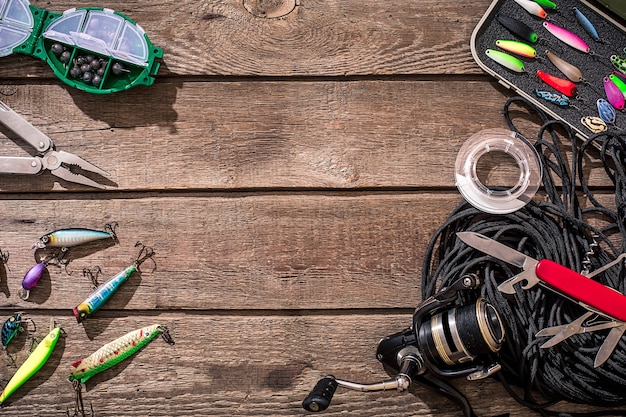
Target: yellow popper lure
<point>116,351</point>
<point>34,363</point>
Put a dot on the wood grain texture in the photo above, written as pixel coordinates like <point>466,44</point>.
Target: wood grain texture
<point>288,171</point>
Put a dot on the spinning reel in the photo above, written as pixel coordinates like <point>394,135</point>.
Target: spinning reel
<point>445,341</point>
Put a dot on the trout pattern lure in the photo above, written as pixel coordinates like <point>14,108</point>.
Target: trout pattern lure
<point>35,361</point>
<point>66,238</point>
<point>116,351</point>
<point>105,291</point>
<point>619,63</point>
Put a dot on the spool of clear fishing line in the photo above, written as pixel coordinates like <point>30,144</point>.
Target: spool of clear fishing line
<point>498,201</point>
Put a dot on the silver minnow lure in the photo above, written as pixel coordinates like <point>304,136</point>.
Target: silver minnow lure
<point>65,238</point>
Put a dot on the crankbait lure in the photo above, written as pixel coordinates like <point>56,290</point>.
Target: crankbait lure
<point>569,70</point>
<point>546,4</point>
<point>560,100</point>
<point>517,28</point>
<point>586,24</point>
<point>562,86</point>
<point>613,94</point>
<point>506,60</point>
<point>65,238</point>
<point>567,37</point>
<point>34,362</point>
<point>12,326</point>
<point>104,292</point>
<point>606,111</point>
<point>619,82</point>
<point>35,273</point>
<point>594,124</point>
<point>116,351</point>
<point>532,7</point>
<point>517,48</point>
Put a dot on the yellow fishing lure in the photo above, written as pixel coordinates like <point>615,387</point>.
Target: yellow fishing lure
<point>34,363</point>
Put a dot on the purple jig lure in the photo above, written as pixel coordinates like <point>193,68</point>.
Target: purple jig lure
<point>35,273</point>
<point>567,37</point>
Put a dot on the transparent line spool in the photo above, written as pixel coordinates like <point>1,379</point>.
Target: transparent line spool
<point>487,199</point>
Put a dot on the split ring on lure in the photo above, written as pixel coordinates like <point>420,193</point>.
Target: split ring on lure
<point>506,60</point>
<point>586,24</point>
<point>517,48</point>
<point>532,7</point>
<point>35,361</point>
<point>562,86</point>
<point>104,292</point>
<point>569,70</point>
<point>567,37</point>
<point>613,94</point>
<point>66,238</point>
<point>517,28</point>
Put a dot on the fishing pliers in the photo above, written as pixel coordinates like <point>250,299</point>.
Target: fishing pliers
<point>59,163</point>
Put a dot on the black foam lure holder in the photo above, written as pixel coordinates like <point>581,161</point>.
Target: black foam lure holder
<point>582,113</point>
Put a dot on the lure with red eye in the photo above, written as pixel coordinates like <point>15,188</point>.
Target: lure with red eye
<point>517,28</point>
<point>613,94</point>
<point>533,8</point>
<point>567,37</point>
<point>559,84</point>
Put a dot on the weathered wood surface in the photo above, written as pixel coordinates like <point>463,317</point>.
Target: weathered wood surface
<point>289,205</point>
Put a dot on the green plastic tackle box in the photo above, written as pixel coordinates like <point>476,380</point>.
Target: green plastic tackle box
<point>580,111</point>
<point>94,49</point>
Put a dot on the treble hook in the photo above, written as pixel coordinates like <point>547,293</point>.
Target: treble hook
<point>79,406</point>
<point>165,334</point>
<point>145,253</point>
<point>92,277</point>
<point>4,256</point>
<point>110,229</point>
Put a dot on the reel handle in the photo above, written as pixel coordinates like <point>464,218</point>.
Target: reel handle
<point>321,395</point>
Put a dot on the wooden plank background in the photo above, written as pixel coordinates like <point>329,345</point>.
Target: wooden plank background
<point>288,171</point>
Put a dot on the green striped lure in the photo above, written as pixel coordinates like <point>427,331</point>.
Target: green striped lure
<point>35,361</point>
<point>110,355</point>
<point>506,60</point>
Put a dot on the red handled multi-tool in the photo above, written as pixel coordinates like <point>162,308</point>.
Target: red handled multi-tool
<point>607,306</point>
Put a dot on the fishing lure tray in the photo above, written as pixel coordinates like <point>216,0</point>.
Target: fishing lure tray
<point>582,114</point>
<point>93,49</point>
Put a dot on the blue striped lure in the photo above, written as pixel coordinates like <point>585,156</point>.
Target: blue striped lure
<point>105,291</point>
<point>65,238</point>
<point>560,100</point>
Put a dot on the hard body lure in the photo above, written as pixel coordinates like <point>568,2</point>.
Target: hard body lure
<point>506,60</point>
<point>517,28</point>
<point>619,63</point>
<point>606,111</point>
<point>594,124</point>
<point>517,48</point>
<point>562,86</point>
<point>570,71</point>
<point>560,100</point>
<point>619,75</point>
<point>567,37</point>
<point>65,238</point>
<point>105,291</point>
<point>34,274</point>
<point>12,326</point>
<point>532,8</point>
<point>619,82</point>
<point>34,362</point>
<point>115,352</point>
<point>546,4</point>
<point>586,24</point>
<point>613,94</point>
